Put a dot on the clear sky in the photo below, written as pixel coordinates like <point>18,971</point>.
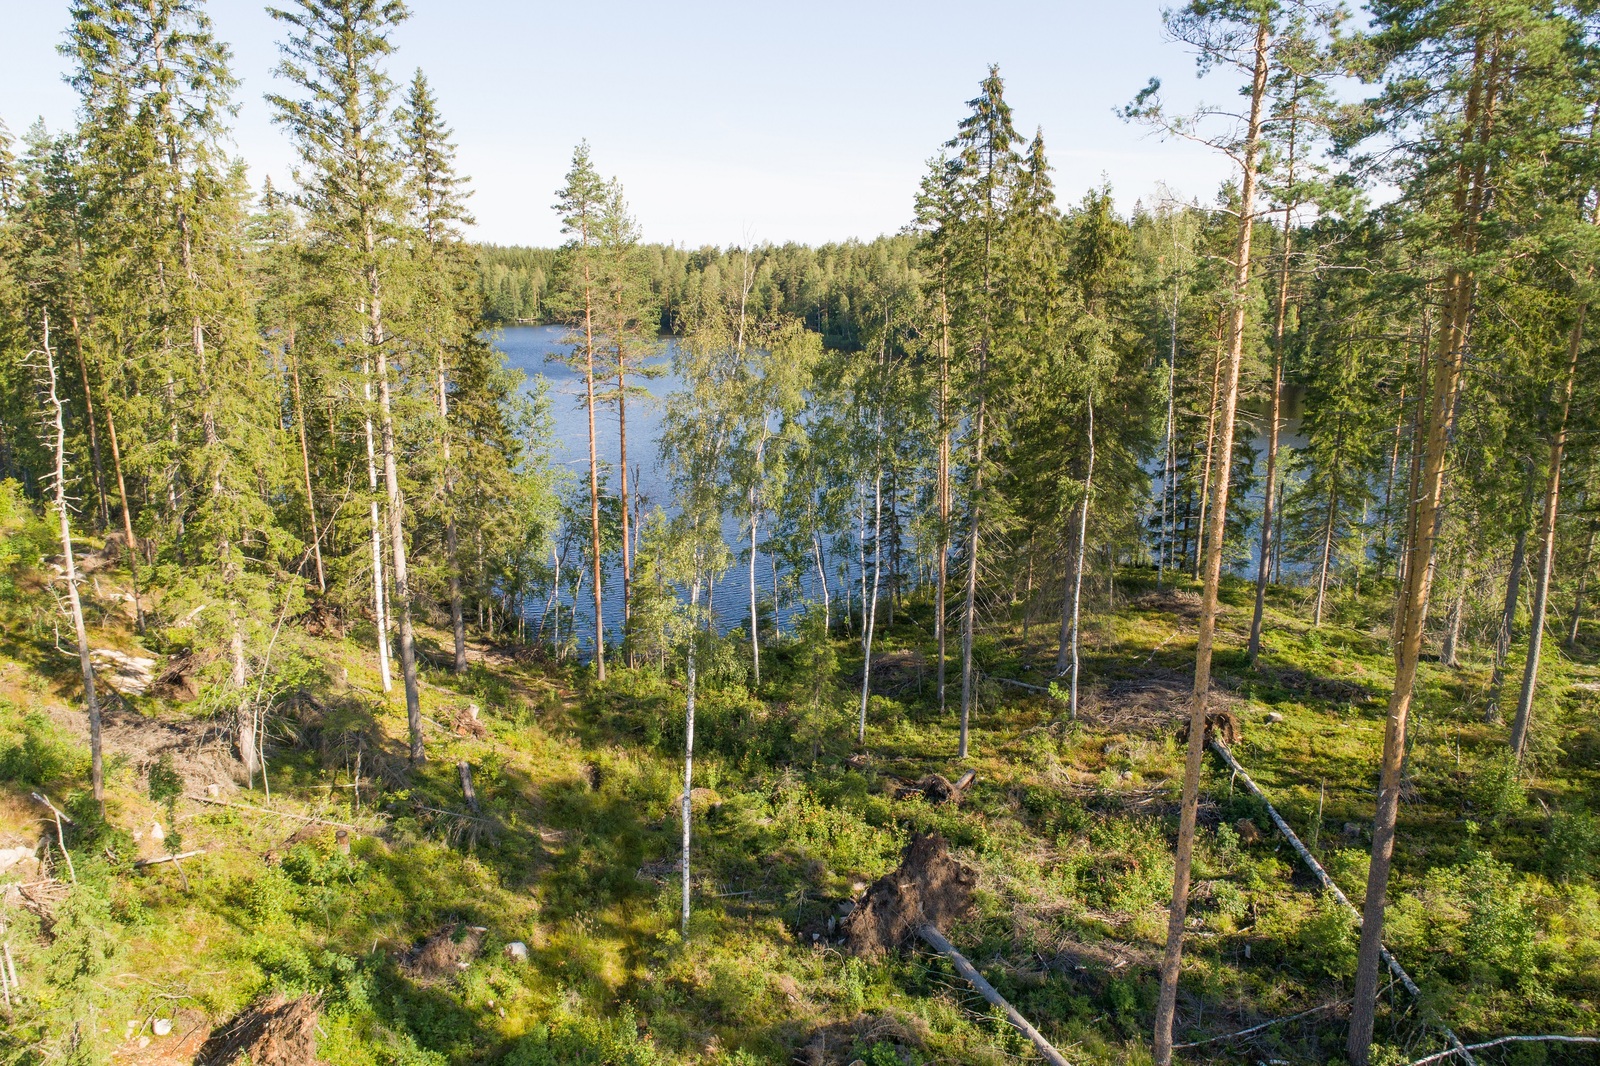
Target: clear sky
<point>724,120</point>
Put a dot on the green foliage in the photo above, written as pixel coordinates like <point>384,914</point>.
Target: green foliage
<point>1572,845</point>
<point>573,1040</point>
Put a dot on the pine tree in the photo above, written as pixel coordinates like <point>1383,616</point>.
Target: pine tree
<point>581,204</point>
<point>351,193</point>
<point>438,208</point>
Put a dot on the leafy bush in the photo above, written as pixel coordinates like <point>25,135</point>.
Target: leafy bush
<point>1326,940</point>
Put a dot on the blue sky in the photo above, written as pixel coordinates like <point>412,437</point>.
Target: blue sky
<point>725,121</point>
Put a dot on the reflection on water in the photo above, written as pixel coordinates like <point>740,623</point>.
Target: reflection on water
<point>530,349</point>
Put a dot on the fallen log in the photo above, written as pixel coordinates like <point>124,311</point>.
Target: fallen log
<point>1437,1056</point>
<point>937,941</point>
<point>1456,1047</point>
<point>142,863</point>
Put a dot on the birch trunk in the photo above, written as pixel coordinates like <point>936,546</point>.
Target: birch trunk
<point>871,609</point>
<point>1077,585</point>
<point>378,584</point>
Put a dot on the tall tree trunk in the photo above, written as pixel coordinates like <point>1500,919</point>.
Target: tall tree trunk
<point>57,424</point>
<point>305,461</point>
<point>380,615</point>
<point>1166,1004</point>
<point>969,613</point>
<point>458,622</point>
<point>1388,485</point>
<point>1077,584</point>
<point>1169,498</point>
<point>1275,405</point>
<point>1412,606</point>
<point>127,519</point>
<point>622,443</point>
<point>822,578</point>
<point>688,737</point>
<point>1327,528</point>
<point>1547,544</point>
<point>1211,446</point>
<point>872,608</point>
<point>755,617</point>
<point>940,611</point>
<point>594,479</point>
<point>94,434</point>
<point>397,508</point>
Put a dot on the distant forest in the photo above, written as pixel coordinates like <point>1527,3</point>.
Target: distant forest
<point>823,286</point>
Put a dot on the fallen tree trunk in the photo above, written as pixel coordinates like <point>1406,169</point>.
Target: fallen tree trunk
<point>937,941</point>
<point>142,863</point>
<point>1506,1040</point>
<point>1399,972</point>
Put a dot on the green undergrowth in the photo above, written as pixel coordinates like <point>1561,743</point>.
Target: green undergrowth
<point>572,850</point>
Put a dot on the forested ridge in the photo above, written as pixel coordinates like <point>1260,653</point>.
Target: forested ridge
<point>1169,627</point>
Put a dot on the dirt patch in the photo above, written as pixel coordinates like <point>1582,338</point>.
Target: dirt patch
<point>272,1032</point>
<point>444,954</point>
<point>1181,602</point>
<point>836,1043</point>
<point>1220,725</point>
<point>897,671</point>
<point>936,788</point>
<point>928,886</point>
<point>1149,703</point>
<point>199,748</point>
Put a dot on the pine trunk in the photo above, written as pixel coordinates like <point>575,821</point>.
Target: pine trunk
<point>1166,1005</point>
<point>1547,545</point>
<point>1411,609</point>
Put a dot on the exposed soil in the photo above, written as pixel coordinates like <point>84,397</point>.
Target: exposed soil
<point>444,954</point>
<point>835,1044</point>
<point>928,887</point>
<point>272,1032</point>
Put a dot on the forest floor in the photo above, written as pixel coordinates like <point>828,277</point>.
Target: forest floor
<point>572,851</point>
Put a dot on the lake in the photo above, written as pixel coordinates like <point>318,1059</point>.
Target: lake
<point>536,351</point>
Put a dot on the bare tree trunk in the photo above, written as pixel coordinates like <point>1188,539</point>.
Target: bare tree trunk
<point>822,577</point>
<point>1211,444</point>
<point>872,609</point>
<point>127,520</point>
<point>378,582</point>
<point>305,462</point>
<point>688,739</point>
<point>94,434</point>
<point>969,615</point>
<point>57,425</point>
<point>1412,606</point>
<point>1547,545</point>
<point>1388,486</point>
<point>755,617</point>
<point>1077,584</point>
<point>397,510</point>
<point>1327,529</point>
<point>1166,1004</point>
